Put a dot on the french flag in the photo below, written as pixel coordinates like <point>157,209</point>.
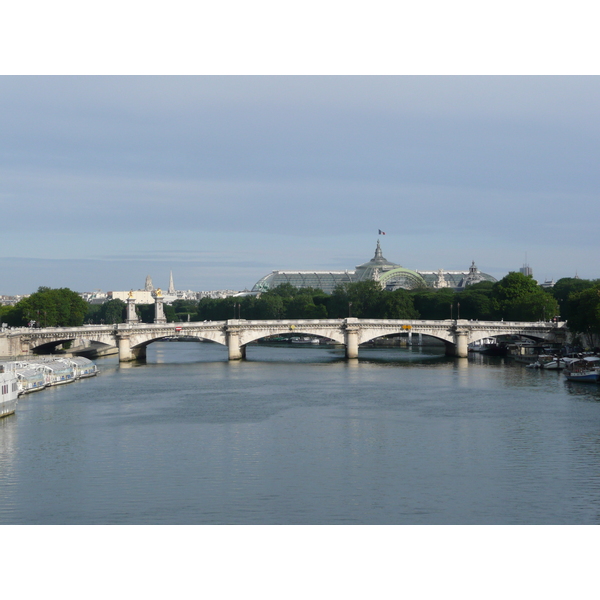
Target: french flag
<point>381,232</point>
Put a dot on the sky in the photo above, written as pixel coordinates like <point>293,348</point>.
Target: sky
<point>224,141</point>
<point>222,179</point>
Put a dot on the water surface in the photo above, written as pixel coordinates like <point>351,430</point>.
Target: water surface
<point>299,435</point>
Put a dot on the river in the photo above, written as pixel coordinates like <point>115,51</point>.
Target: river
<point>299,435</point>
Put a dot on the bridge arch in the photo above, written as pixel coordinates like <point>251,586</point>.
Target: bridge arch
<point>146,340</point>
<point>447,337</point>
<point>250,336</point>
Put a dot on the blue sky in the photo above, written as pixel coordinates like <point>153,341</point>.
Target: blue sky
<point>222,179</point>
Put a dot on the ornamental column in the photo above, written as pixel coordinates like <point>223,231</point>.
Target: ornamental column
<point>159,312</point>
<point>131,314</point>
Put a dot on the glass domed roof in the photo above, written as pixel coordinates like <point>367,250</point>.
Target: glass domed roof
<point>391,275</point>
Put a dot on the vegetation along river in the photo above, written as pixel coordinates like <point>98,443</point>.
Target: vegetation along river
<point>299,435</point>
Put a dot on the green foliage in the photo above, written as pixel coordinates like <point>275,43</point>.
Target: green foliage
<point>147,313</point>
<point>52,308</point>
<point>584,311</point>
<point>518,297</point>
<point>10,315</point>
<point>367,300</point>
<point>113,311</point>
<point>476,303</point>
<point>435,304</point>
<point>284,290</point>
<point>269,306</point>
<point>567,286</point>
<point>183,308</point>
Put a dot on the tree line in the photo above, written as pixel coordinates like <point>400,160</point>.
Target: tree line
<point>516,297</point>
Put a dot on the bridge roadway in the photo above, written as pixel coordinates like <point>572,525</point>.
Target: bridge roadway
<point>131,339</point>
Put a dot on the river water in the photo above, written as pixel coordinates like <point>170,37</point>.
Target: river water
<point>299,435</point>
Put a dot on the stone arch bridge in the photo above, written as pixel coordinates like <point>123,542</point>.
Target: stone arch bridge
<point>131,339</point>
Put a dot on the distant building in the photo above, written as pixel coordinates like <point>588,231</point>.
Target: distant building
<point>97,297</point>
<point>457,280</point>
<point>171,289</point>
<point>526,270</point>
<point>390,275</point>
<point>12,300</point>
<point>140,296</point>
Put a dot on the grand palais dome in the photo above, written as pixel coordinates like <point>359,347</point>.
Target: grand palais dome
<point>391,276</point>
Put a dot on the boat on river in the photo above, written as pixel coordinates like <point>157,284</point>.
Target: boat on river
<point>31,379</point>
<point>9,393</point>
<point>586,370</point>
<point>559,362</point>
<point>84,367</point>
<point>305,340</point>
<point>57,371</point>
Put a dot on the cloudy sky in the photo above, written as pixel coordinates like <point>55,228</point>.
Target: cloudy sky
<point>222,179</point>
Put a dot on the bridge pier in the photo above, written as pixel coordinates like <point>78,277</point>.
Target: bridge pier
<point>234,349</point>
<point>351,335</point>
<point>460,347</point>
<point>126,352</point>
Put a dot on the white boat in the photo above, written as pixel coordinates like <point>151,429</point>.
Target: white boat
<point>84,367</point>
<point>481,345</point>
<point>30,379</point>
<point>558,363</point>
<point>58,372</point>
<point>542,360</point>
<point>9,393</point>
<point>587,370</point>
<point>305,340</point>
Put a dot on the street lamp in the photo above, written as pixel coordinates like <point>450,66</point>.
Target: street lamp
<point>349,309</point>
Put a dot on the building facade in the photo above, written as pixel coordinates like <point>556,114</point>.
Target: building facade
<point>391,276</point>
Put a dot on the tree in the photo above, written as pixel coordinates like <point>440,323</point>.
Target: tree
<point>436,304</point>
<point>113,311</point>
<point>183,308</point>
<point>10,315</point>
<point>367,300</point>
<point>584,310</point>
<point>476,304</point>
<point>518,297</point>
<point>52,308</point>
<point>303,306</point>
<point>147,312</point>
<point>396,305</point>
<point>566,286</point>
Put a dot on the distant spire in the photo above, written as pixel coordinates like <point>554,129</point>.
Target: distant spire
<point>171,289</point>
<point>149,287</point>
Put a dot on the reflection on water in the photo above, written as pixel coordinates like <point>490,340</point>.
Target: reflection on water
<point>302,435</point>
<point>587,391</point>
